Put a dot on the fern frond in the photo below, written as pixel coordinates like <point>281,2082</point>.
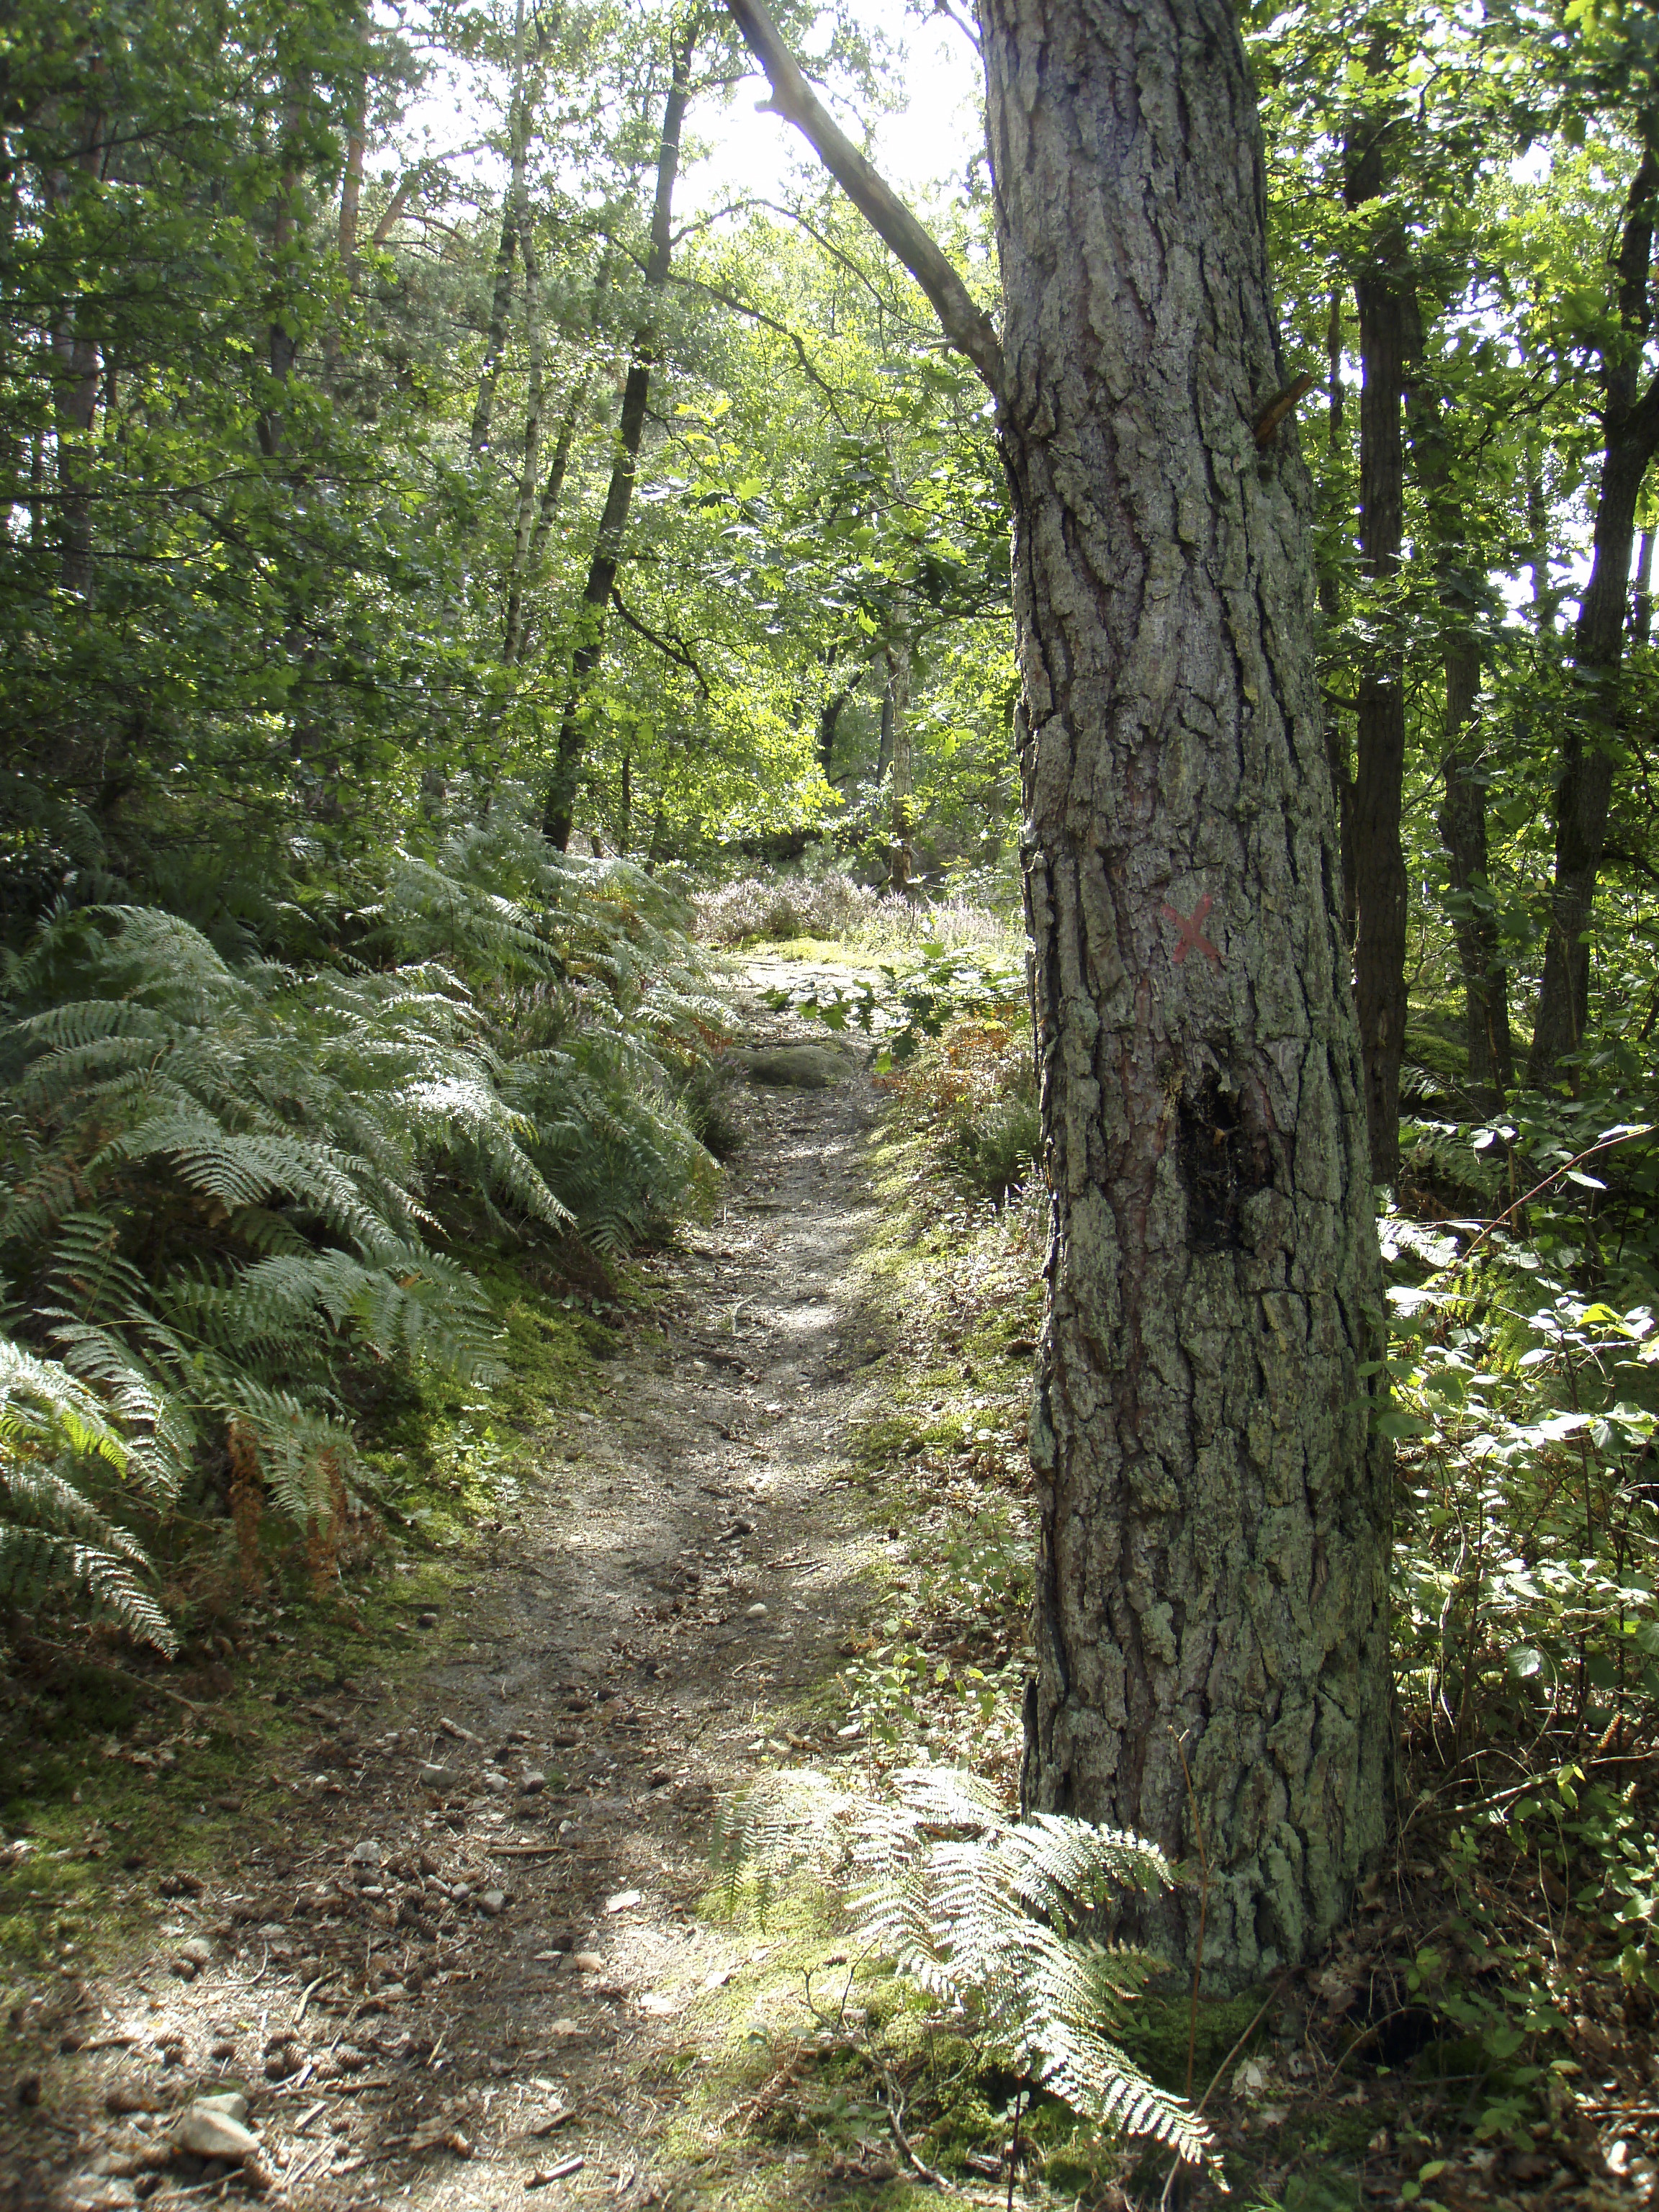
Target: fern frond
<point>981,1911</point>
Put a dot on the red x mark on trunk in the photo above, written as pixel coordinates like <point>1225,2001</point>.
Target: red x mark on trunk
<point>1191,936</point>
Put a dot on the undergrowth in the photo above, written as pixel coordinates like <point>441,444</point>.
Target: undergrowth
<point>235,1191</point>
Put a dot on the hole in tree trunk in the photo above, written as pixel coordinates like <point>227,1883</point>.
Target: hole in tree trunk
<point>1222,1161</point>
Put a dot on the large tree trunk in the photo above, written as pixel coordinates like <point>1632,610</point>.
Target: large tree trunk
<point>1211,1573</point>
<point>1630,434</point>
<point>1214,1506</point>
<point>1388,336</point>
<point>560,804</point>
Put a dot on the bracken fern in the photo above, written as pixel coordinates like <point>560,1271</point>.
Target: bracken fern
<point>220,1182</point>
<point>992,1916</point>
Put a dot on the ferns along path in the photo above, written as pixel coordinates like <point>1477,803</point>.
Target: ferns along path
<point>473,1955</point>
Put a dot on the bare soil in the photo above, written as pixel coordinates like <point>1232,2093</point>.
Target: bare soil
<point>443,1987</point>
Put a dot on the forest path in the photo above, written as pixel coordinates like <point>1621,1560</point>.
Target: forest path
<point>689,1560</point>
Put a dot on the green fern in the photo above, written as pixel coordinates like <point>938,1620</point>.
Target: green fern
<point>220,1180</point>
<point>991,1916</point>
<point>53,1538</point>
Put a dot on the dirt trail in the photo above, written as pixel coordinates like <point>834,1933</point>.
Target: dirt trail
<point>688,1560</point>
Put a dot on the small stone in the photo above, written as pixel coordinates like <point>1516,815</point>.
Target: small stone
<point>426,1621</point>
<point>588,1962</point>
<point>436,1777</point>
<point>231,2102</point>
<point>498,1783</point>
<point>366,1854</point>
<point>756,1612</point>
<point>492,1902</point>
<point>199,1951</point>
<point>205,2132</point>
<point>621,1901</point>
<point>533,1783</point>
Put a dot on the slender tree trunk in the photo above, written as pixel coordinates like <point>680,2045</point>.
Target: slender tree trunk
<point>1462,818</point>
<point>1641,606</point>
<point>76,365</point>
<point>1584,792</point>
<point>530,468</point>
<point>496,342</point>
<point>896,740</point>
<point>1212,1567</point>
<point>1544,598</point>
<point>1462,825</point>
<point>1388,337</point>
<point>351,182</point>
<point>282,347</point>
<point>1330,609</point>
<point>560,802</point>
<point>351,195</point>
<point>829,715</point>
<point>625,812</point>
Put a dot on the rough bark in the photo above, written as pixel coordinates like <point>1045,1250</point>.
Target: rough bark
<point>1584,791</point>
<point>1388,333</point>
<point>560,802</point>
<point>1214,1512</point>
<point>1214,1509</point>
